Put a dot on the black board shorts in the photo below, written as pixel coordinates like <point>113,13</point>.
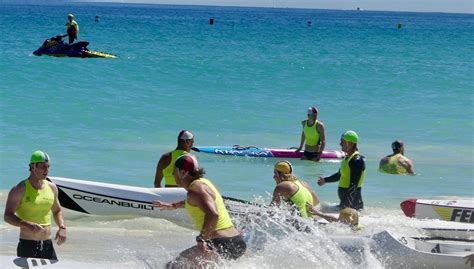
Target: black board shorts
<point>36,249</point>
<point>229,248</point>
<point>311,155</point>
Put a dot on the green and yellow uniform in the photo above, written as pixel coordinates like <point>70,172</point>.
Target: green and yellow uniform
<point>300,198</point>
<point>393,165</point>
<point>311,134</point>
<point>35,205</point>
<point>197,215</point>
<point>170,181</point>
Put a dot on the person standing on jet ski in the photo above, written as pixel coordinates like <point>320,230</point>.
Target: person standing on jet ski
<point>72,28</point>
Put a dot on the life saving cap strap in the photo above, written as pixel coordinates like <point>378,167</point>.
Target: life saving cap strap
<point>187,162</point>
<point>397,145</point>
<point>284,167</point>
<point>185,135</point>
<point>39,157</point>
<point>350,136</point>
<point>312,110</point>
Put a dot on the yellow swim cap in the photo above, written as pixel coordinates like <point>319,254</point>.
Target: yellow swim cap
<point>349,216</point>
<point>70,15</point>
<point>284,167</point>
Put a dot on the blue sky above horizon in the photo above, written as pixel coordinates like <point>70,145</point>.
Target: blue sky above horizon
<point>451,6</point>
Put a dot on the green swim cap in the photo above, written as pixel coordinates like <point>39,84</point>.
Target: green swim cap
<point>39,157</point>
<point>350,136</point>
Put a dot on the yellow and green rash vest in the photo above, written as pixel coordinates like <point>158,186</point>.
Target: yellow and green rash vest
<point>35,205</point>
<point>168,171</point>
<point>393,165</point>
<point>300,198</point>
<point>345,170</point>
<point>311,134</point>
<point>73,28</point>
<point>197,215</point>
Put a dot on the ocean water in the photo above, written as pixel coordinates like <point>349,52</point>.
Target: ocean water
<point>248,79</point>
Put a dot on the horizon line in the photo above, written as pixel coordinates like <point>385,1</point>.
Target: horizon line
<point>273,7</point>
<point>356,9</point>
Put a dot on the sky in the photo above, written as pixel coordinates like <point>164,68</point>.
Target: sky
<point>451,6</point>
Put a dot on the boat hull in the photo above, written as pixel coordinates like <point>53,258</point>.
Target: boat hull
<point>264,152</point>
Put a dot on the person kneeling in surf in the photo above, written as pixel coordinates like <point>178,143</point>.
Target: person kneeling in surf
<point>292,190</point>
<point>218,237</point>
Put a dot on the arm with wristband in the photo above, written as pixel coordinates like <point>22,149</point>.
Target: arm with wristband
<point>168,206</point>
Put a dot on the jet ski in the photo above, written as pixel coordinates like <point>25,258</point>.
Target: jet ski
<point>55,46</point>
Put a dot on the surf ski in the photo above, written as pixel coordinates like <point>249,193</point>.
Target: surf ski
<point>252,151</point>
<point>98,198</point>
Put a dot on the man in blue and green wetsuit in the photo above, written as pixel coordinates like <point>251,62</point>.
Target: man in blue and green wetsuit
<point>351,174</point>
<point>166,163</point>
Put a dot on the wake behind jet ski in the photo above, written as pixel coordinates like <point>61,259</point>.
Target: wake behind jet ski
<point>55,46</point>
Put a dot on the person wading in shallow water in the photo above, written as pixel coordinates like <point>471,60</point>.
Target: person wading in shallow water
<point>166,163</point>
<point>205,206</point>
<point>314,134</point>
<point>397,163</point>
<point>351,174</point>
<point>29,206</point>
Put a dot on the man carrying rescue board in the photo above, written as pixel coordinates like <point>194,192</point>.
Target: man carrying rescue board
<point>29,206</point>
<point>205,206</point>
<point>166,163</point>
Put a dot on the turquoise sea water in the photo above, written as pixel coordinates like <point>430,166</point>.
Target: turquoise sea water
<point>248,79</point>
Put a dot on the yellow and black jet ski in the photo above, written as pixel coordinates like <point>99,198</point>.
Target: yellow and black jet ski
<point>55,46</point>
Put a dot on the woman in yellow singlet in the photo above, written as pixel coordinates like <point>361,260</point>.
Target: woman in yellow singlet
<point>314,134</point>
<point>292,190</point>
